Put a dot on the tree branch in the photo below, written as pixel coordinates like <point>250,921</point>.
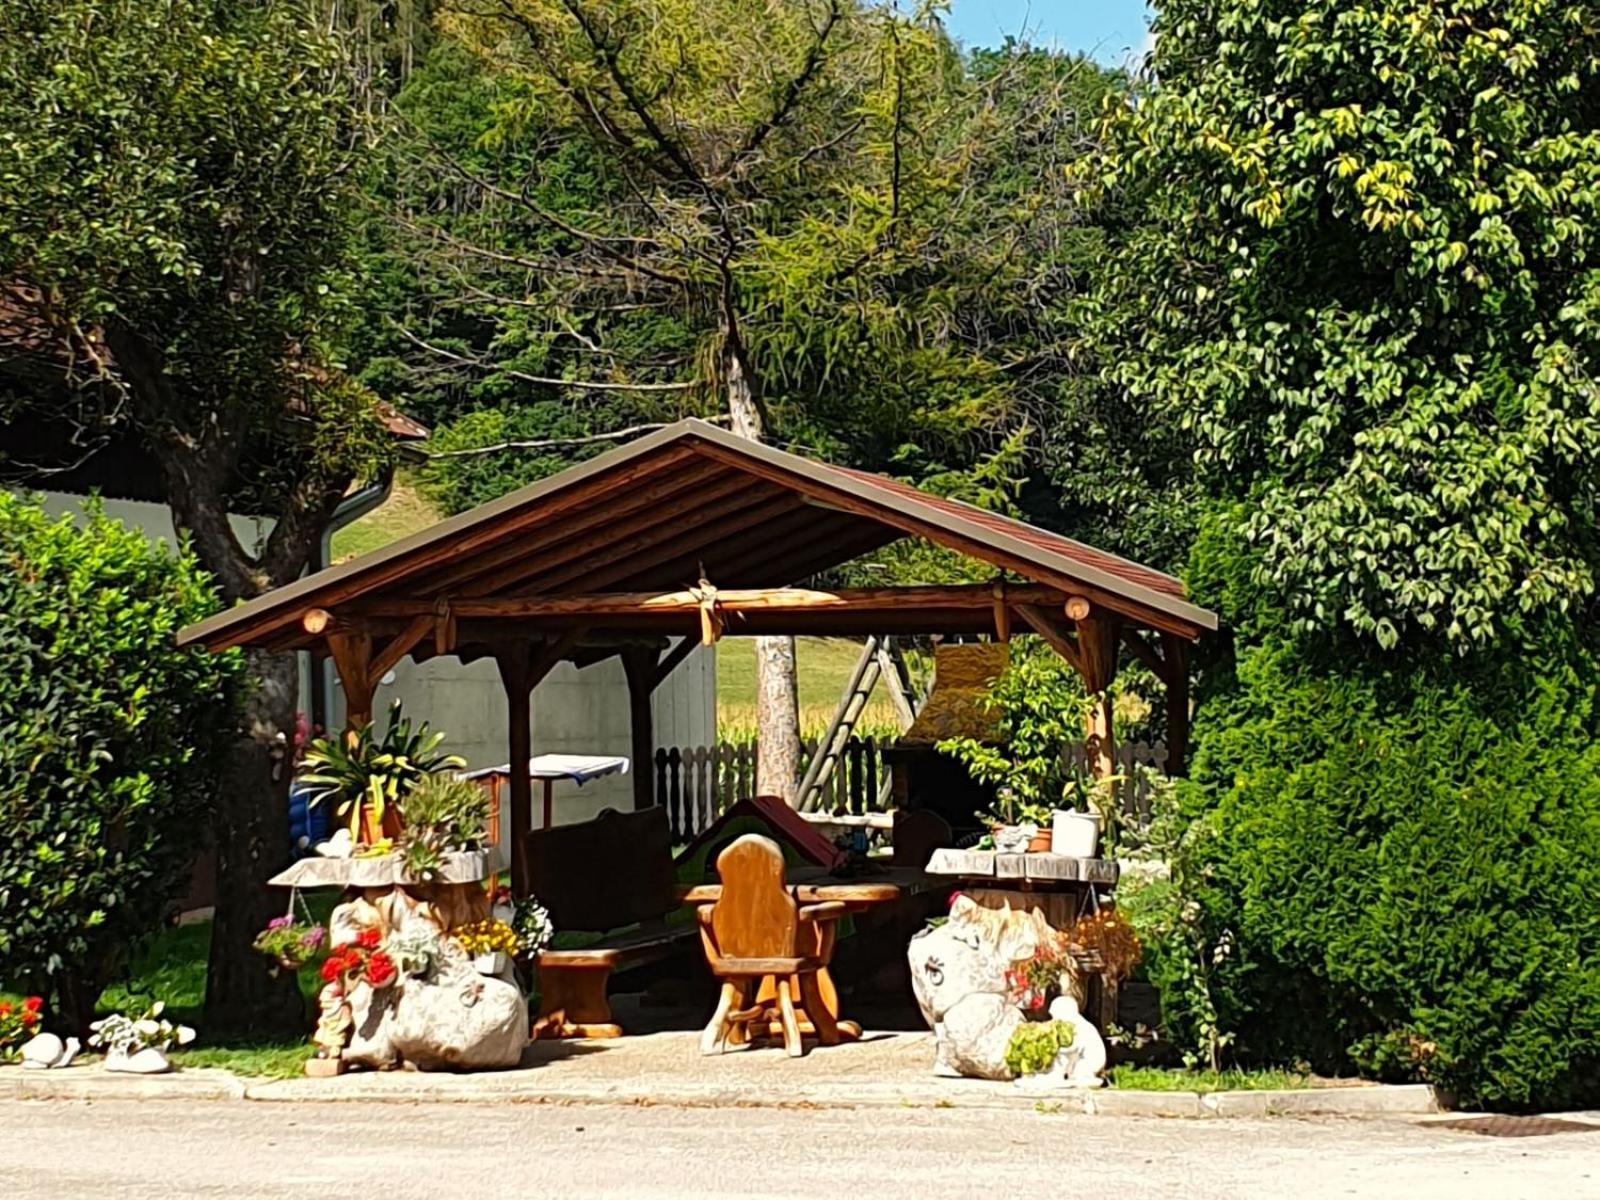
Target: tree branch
<point>584,384</point>
<point>550,443</point>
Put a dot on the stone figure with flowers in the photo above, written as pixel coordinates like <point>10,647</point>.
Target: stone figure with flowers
<point>416,962</point>
<point>1003,997</point>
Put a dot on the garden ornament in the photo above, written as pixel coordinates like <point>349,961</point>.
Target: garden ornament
<point>45,1050</point>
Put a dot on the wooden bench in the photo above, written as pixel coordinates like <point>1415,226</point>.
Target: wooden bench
<point>602,876</point>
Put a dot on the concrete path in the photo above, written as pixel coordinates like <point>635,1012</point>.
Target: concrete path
<point>206,1149</point>
<point>882,1070</point>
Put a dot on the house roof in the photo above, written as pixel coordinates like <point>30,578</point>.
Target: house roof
<point>690,500</point>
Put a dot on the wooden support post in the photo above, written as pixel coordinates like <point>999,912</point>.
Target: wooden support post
<point>352,659</point>
<point>516,676</point>
<point>1176,653</point>
<point>639,664</point>
<point>1097,654</point>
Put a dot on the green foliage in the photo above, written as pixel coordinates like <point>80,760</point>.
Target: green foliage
<point>1164,1079</point>
<point>363,773</point>
<point>1034,1045</point>
<point>111,742</point>
<point>1362,290</point>
<point>439,814</point>
<point>1183,953</point>
<point>1408,856</point>
<point>187,247</point>
<point>882,226</point>
<point>1040,707</point>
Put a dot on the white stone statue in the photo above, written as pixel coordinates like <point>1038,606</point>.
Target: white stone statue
<point>958,972</point>
<point>45,1051</point>
<point>449,1018</point>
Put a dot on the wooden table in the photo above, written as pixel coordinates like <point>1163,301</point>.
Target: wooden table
<point>1058,885</point>
<point>812,885</point>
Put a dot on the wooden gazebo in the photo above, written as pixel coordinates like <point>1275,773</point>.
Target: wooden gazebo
<point>693,531</point>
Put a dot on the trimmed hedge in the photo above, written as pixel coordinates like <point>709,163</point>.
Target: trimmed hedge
<point>110,741</point>
<point>1408,856</point>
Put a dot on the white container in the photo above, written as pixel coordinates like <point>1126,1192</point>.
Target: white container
<point>1075,834</point>
<point>492,963</point>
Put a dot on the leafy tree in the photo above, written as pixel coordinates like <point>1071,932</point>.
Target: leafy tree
<point>1355,288</point>
<point>815,218</point>
<point>176,187</point>
<point>1364,294</point>
<point>112,745</point>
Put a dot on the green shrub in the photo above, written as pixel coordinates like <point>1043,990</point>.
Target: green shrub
<point>1408,855</point>
<point>110,737</point>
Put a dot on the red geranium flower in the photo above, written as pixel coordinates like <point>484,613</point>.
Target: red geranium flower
<point>368,939</point>
<point>341,962</point>
<point>380,970</point>
<point>33,1004</point>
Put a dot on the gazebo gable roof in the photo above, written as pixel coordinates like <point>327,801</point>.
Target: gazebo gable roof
<point>655,512</point>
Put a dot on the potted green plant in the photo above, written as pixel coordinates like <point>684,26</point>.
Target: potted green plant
<point>440,815</point>
<point>366,776</point>
<point>1041,708</point>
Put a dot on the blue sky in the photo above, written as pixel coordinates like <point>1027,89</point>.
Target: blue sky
<point>1107,29</point>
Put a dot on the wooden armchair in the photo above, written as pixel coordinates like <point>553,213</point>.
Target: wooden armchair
<point>760,942</point>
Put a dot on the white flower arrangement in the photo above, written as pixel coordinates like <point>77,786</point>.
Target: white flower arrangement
<point>121,1035</point>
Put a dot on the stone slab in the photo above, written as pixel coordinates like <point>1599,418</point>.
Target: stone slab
<point>469,866</point>
<point>90,1081</point>
<point>1041,868</point>
<point>970,863</point>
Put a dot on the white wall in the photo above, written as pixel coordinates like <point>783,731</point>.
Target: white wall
<point>154,519</point>
<point>574,712</point>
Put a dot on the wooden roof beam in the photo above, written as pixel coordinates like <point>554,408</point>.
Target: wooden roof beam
<point>602,605</point>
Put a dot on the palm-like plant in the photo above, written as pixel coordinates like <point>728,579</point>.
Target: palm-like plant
<point>366,776</point>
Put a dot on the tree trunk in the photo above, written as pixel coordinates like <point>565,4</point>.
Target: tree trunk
<point>777,692</point>
<point>250,822</point>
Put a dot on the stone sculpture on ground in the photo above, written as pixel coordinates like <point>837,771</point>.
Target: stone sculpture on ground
<point>958,972</point>
<point>46,1051</point>
<point>446,1016</point>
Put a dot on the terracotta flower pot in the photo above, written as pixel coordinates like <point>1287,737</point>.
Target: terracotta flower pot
<point>1038,844</point>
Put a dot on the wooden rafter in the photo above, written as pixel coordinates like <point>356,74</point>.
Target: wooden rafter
<point>1043,622</point>
<point>397,647</point>
<point>599,606</point>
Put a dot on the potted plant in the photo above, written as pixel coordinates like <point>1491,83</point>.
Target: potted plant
<point>1041,709</point>
<point>440,815</point>
<point>1033,982</point>
<point>1037,1047</point>
<point>488,943</point>
<point>139,1045</point>
<point>289,945</point>
<point>18,1023</point>
<point>367,776</point>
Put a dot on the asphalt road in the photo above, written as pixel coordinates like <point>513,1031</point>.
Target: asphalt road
<point>529,1151</point>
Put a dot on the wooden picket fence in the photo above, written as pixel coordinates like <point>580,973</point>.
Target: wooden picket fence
<point>696,783</point>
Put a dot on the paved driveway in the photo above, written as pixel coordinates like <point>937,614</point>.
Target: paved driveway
<point>397,1151</point>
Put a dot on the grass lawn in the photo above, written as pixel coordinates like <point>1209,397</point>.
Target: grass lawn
<point>1176,1079</point>
<point>406,511</point>
<point>173,969</point>
<point>824,666</point>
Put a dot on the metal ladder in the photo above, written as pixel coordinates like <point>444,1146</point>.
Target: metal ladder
<point>879,659</point>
